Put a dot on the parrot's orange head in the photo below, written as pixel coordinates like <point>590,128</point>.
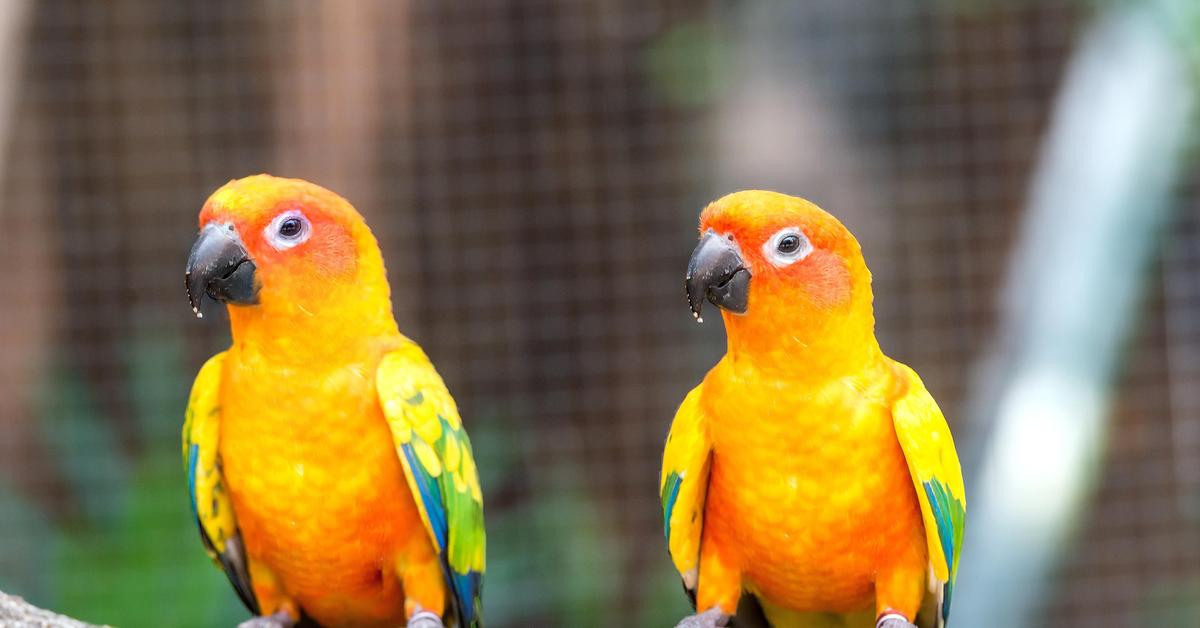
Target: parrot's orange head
<point>780,268</point>
<point>281,244</point>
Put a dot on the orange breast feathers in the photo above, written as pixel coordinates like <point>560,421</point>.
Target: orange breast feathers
<point>821,492</point>
<point>320,496</point>
<point>328,466</point>
<point>808,468</point>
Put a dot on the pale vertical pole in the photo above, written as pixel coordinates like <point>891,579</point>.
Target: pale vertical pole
<point>1101,193</point>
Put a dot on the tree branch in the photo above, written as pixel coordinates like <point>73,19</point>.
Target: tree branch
<point>17,613</point>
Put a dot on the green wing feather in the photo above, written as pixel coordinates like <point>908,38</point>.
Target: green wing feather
<point>683,486</point>
<point>440,468</point>
<point>211,505</point>
<point>937,477</point>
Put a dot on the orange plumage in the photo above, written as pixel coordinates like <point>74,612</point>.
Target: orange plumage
<point>320,496</point>
<point>334,495</point>
<point>787,473</point>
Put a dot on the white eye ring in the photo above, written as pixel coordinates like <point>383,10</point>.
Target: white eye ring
<point>284,236</point>
<point>786,247</point>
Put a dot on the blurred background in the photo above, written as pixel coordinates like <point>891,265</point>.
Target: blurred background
<point>1021,176</point>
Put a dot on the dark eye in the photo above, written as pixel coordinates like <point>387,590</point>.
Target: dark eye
<point>291,227</point>
<point>788,244</point>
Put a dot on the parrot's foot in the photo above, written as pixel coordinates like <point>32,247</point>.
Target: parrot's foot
<point>425,619</point>
<point>713,618</point>
<point>893,620</point>
<point>278,620</point>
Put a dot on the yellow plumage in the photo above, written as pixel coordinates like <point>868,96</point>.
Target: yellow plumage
<point>329,470</point>
<point>808,469</point>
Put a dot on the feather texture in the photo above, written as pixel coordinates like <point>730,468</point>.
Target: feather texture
<point>210,501</point>
<point>937,477</point>
<point>439,466</point>
<point>808,470</point>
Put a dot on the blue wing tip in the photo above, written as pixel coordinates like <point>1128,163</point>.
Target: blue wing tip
<point>467,588</point>
<point>669,495</point>
<point>431,496</point>
<point>946,510</point>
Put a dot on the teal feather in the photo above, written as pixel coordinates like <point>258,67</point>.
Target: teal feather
<point>670,493</point>
<point>949,513</point>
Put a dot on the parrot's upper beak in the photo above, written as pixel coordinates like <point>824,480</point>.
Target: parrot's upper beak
<point>717,272</point>
<point>220,267</point>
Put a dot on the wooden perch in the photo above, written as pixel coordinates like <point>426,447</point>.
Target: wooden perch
<point>17,613</point>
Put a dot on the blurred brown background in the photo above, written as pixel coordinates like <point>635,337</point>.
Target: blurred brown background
<point>534,171</point>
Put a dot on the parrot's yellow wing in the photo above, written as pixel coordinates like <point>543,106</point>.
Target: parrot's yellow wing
<point>933,463</point>
<point>683,486</point>
<point>210,502</point>
<point>440,470</point>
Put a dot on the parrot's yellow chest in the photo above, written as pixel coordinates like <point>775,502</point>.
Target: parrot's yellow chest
<point>318,490</point>
<point>809,490</point>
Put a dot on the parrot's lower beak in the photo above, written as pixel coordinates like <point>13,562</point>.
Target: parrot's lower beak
<point>717,273</point>
<point>220,267</point>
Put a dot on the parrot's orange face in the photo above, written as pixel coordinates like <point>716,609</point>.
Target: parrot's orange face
<point>774,262</point>
<point>761,250</point>
<point>264,238</point>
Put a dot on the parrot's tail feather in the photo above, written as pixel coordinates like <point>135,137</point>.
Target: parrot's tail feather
<point>691,594</point>
<point>306,621</point>
<point>749,614</point>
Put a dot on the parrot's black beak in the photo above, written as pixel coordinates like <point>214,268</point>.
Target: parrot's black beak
<point>717,272</point>
<point>220,267</point>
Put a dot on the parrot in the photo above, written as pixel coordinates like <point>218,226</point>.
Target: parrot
<point>808,472</point>
<point>327,465</point>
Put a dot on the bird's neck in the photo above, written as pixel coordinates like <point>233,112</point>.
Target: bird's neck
<point>341,327</point>
<point>813,348</point>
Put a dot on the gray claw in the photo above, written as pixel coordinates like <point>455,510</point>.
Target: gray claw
<point>712,618</point>
<point>278,620</point>
<point>425,619</point>
<point>893,621</point>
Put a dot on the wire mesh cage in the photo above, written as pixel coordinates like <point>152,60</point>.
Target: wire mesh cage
<point>534,171</point>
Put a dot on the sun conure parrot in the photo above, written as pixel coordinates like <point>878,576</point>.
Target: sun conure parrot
<point>808,469</point>
<point>327,465</point>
